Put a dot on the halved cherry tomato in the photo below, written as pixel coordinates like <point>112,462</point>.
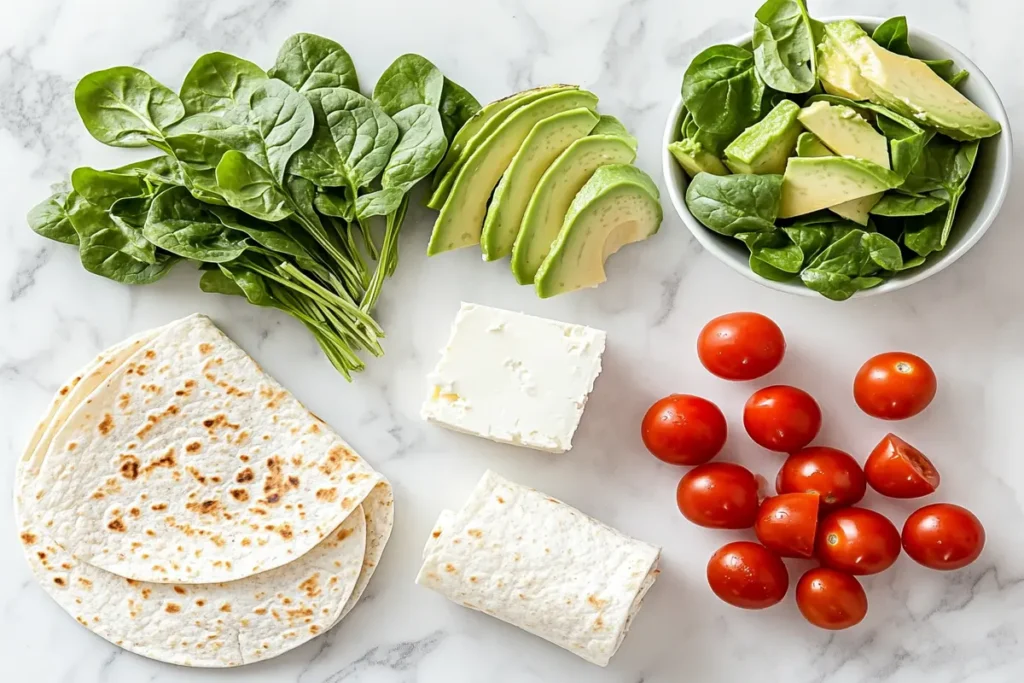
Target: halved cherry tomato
<point>831,599</point>
<point>747,575</point>
<point>719,495</point>
<point>829,472</point>
<point>782,418</point>
<point>943,536</point>
<point>684,430</point>
<point>787,524</point>
<point>741,346</point>
<point>857,541</point>
<point>894,386</point>
<point>898,470</point>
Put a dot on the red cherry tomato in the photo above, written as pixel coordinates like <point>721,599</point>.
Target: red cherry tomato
<point>894,386</point>
<point>787,524</point>
<point>719,495</point>
<point>782,418</point>
<point>747,575</point>
<point>857,541</point>
<point>943,536</point>
<point>898,470</point>
<point>830,599</point>
<point>684,430</point>
<point>741,346</point>
<point>829,472</point>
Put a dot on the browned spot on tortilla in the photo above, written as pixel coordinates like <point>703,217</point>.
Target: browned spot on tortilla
<point>276,485</point>
<point>64,390</point>
<point>347,503</point>
<point>193,447</point>
<point>596,602</point>
<point>166,460</point>
<point>472,579</point>
<point>205,348</point>
<point>86,583</point>
<point>437,533</point>
<point>140,369</point>
<point>327,495</point>
<point>286,531</point>
<point>245,476</point>
<point>150,354</point>
<point>218,540</point>
<point>200,603</point>
<point>226,607</point>
<point>314,428</point>
<point>240,495</point>
<point>207,507</point>
<point>135,512</point>
<point>59,581</point>
<point>196,474</point>
<point>72,445</point>
<point>475,533</point>
<point>343,534</point>
<point>172,608</point>
<point>129,467</point>
<point>246,542</point>
<point>450,568</point>
<point>117,524</point>
<point>179,590</point>
<point>277,399</point>
<point>123,401</point>
<point>257,511</point>
<point>332,463</point>
<point>218,421</point>
<point>311,587</point>
<point>314,629</point>
<point>27,538</point>
<point>158,507</point>
<point>41,555</point>
<point>501,500</point>
<point>357,476</point>
<point>153,419</point>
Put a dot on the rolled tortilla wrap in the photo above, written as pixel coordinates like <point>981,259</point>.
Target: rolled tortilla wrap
<point>539,564</point>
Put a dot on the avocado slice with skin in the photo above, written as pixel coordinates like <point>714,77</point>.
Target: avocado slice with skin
<point>546,141</point>
<point>462,216</point>
<point>845,132</point>
<point>908,86</point>
<point>554,195</point>
<point>808,145</point>
<point>814,183</point>
<point>694,159</point>
<point>765,146</point>
<point>617,206</point>
<point>609,125</point>
<point>475,133</point>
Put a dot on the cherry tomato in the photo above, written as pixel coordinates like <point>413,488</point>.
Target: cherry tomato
<point>741,346</point>
<point>943,536</point>
<point>898,470</point>
<point>719,495</point>
<point>857,541</point>
<point>830,599</point>
<point>782,418</point>
<point>684,430</point>
<point>747,575</point>
<point>829,472</point>
<point>787,524</point>
<point>894,386</point>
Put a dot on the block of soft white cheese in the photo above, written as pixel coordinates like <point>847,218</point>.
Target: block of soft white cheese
<point>514,378</point>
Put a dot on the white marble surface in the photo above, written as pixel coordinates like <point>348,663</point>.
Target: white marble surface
<point>922,626</point>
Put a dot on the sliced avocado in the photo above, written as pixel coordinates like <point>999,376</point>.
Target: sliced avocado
<point>909,87</point>
<point>695,159</point>
<point>546,141</point>
<point>617,206</point>
<point>845,132</point>
<point>765,146</point>
<point>839,75</point>
<point>808,145</point>
<point>609,125</point>
<point>475,132</point>
<point>814,183</point>
<point>462,215</point>
<point>554,194</point>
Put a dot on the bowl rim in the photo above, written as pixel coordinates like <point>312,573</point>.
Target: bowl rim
<point>1000,185</point>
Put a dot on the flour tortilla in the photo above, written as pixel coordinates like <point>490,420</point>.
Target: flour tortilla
<point>539,564</point>
<point>188,464</point>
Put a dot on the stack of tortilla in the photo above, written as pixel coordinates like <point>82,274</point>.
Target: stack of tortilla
<point>180,503</point>
<point>532,561</point>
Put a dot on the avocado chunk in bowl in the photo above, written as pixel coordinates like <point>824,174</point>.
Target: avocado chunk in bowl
<point>891,138</point>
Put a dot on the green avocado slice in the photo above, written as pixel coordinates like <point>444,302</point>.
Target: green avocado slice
<point>475,132</point>
<point>462,216</point>
<point>546,141</point>
<point>618,205</point>
<point>554,194</point>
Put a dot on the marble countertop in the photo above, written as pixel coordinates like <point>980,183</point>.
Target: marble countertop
<point>967,321</point>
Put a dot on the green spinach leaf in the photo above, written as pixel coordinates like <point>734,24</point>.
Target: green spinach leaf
<point>722,90</point>
<point>104,248</point>
<point>897,205</point>
<point>784,46</point>
<point>220,83</point>
<point>284,121</point>
<point>734,204</point>
<point>774,248</point>
<point>411,79</point>
<point>457,106</point>
<point>248,187</point>
<point>380,203</point>
<point>893,35</point>
<point>179,223</point>
<point>50,219</point>
<point>125,106</point>
<point>307,62</point>
<point>421,146</point>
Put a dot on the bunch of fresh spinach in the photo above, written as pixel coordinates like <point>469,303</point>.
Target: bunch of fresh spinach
<point>271,181</point>
<point>728,88</point>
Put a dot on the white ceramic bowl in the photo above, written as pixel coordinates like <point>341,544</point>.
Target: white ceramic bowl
<point>985,193</point>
